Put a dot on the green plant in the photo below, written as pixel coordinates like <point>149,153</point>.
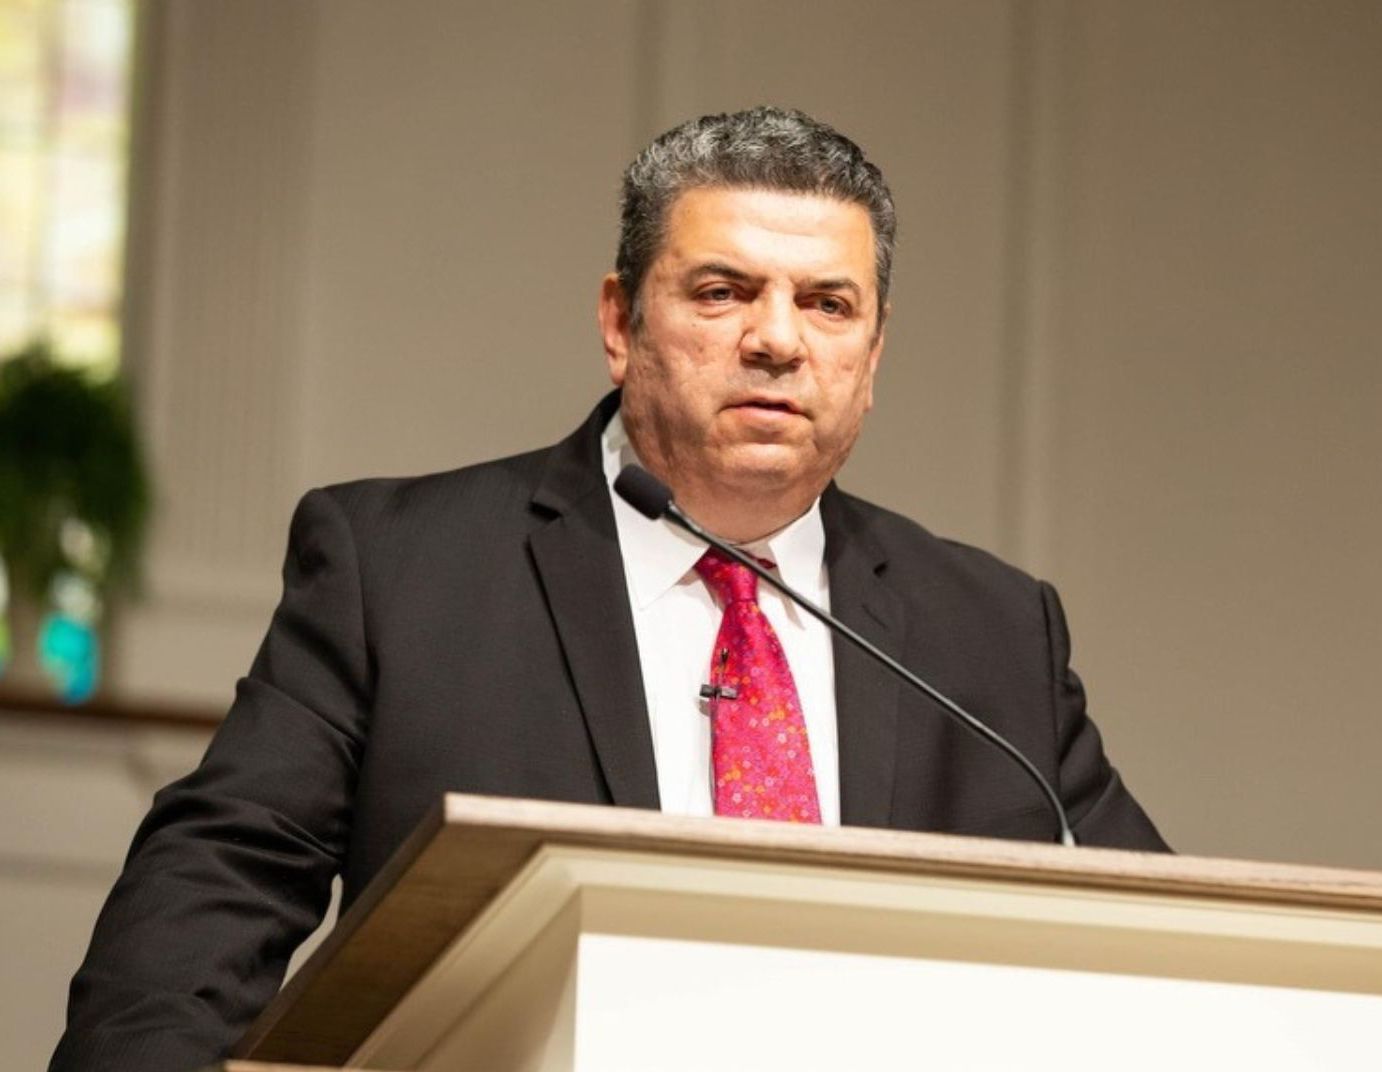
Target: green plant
<point>69,452</point>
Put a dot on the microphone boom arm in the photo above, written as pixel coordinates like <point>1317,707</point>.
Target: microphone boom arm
<point>974,725</point>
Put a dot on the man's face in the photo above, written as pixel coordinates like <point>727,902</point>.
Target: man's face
<point>753,366</point>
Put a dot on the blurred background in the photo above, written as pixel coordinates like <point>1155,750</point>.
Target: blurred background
<point>1136,345</point>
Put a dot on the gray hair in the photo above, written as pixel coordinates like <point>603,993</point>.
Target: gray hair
<point>762,148</point>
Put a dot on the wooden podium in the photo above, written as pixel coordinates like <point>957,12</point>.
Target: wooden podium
<point>512,935</point>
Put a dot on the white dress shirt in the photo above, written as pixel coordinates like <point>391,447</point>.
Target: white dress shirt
<point>675,619</point>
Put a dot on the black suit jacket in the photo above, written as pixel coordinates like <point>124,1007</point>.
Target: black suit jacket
<point>471,631</point>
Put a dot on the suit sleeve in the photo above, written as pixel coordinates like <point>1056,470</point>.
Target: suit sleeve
<point>1101,810</point>
<point>232,867</point>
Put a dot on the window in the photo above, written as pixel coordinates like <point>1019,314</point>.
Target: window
<point>64,136</point>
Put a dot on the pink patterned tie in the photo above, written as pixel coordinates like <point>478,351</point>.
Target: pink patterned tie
<point>760,754</point>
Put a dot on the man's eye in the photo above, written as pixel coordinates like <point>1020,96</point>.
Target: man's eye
<point>716,294</point>
<point>832,306</point>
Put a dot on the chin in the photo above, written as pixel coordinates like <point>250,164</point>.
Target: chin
<point>766,471</point>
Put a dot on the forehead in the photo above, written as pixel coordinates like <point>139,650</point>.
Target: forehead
<point>769,231</point>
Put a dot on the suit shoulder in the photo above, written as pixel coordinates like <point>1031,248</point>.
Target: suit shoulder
<point>405,533</point>
<point>918,557</point>
<point>486,489</point>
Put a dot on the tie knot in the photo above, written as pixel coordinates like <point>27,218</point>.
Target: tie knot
<point>732,582</point>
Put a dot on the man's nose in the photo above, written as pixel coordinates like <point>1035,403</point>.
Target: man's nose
<point>773,332</point>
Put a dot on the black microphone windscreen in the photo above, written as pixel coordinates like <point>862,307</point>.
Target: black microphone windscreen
<point>643,491</point>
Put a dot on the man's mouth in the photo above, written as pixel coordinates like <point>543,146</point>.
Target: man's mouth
<point>778,405</point>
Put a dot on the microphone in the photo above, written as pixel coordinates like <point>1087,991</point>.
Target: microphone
<point>653,499</point>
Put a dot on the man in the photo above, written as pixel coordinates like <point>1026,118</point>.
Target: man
<point>511,629</point>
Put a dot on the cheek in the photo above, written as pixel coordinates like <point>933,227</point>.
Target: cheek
<point>688,364</point>
<point>669,388</point>
<point>847,377</point>
<point>850,390</point>
<point>695,355</point>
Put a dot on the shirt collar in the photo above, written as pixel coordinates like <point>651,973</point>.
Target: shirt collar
<point>658,555</point>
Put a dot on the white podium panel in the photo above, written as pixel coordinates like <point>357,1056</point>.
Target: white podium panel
<point>596,959</point>
<point>695,1006</point>
<point>528,936</point>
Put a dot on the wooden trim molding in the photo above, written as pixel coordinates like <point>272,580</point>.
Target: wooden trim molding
<point>469,849</point>
<point>19,703</point>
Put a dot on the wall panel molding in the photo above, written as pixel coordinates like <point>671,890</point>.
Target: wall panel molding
<point>1036,275</point>
<point>222,212</point>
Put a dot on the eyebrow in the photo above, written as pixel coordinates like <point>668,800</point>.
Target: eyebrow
<point>717,268</point>
<point>843,283</point>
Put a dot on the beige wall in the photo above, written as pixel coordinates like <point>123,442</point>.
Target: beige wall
<point>1209,451</point>
<point>1132,349</point>
<point>71,794</point>
<point>1135,346</point>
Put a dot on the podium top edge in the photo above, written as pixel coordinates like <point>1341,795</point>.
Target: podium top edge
<point>633,829</point>
<point>469,848</point>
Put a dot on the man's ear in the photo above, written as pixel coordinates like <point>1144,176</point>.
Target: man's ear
<point>614,313</point>
<point>878,331</point>
<point>876,351</point>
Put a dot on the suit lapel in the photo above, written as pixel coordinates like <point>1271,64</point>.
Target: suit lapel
<point>576,552</point>
<point>577,557</point>
<point>866,695</point>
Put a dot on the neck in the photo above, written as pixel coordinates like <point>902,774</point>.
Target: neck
<point>738,513</point>
<point>741,519</point>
